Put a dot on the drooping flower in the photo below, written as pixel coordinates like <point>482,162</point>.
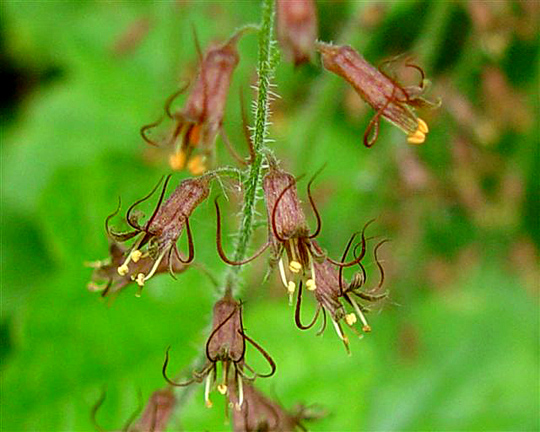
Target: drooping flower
<point>389,99</point>
<point>105,277</point>
<point>293,246</point>
<point>155,417</point>
<point>196,126</point>
<point>157,237</point>
<point>297,29</point>
<point>260,413</point>
<point>288,232</point>
<point>332,289</point>
<point>225,345</point>
<point>157,413</point>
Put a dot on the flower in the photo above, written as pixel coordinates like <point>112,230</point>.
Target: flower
<point>388,98</point>
<point>260,413</point>
<point>161,231</point>
<point>297,29</point>
<point>288,230</point>
<point>332,288</point>
<point>157,413</point>
<point>197,125</point>
<point>154,418</point>
<point>106,279</point>
<point>226,345</point>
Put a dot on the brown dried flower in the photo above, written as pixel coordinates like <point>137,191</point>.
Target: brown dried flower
<point>297,29</point>
<point>161,231</point>
<point>387,97</point>
<point>226,345</point>
<point>191,141</point>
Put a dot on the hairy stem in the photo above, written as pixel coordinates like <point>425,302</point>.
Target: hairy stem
<point>266,65</point>
<point>252,182</point>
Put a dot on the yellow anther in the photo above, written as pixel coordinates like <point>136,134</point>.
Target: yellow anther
<point>177,161</point>
<point>136,255</point>
<point>222,388</point>
<point>422,126</point>
<point>310,285</point>
<point>123,270</point>
<point>291,286</point>
<point>209,403</point>
<point>350,319</point>
<point>366,328</point>
<point>140,279</point>
<point>416,138</point>
<point>295,266</point>
<point>196,165</point>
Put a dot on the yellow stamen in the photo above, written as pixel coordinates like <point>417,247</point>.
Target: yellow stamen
<point>240,393</point>
<point>291,287</point>
<point>140,279</point>
<point>366,327</point>
<point>123,270</point>
<point>350,319</point>
<point>207,387</point>
<point>196,165</point>
<point>295,266</point>
<point>136,255</point>
<point>222,388</point>
<point>177,161</point>
<point>310,285</point>
<point>417,137</point>
<point>155,266</point>
<point>422,126</point>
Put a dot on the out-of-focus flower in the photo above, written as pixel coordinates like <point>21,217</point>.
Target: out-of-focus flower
<point>390,100</point>
<point>158,236</point>
<point>260,413</point>
<point>157,413</point>
<point>196,126</point>
<point>332,288</point>
<point>297,29</point>
<point>226,345</point>
<point>106,279</point>
<point>154,418</point>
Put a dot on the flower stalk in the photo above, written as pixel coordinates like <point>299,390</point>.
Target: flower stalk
<point>252,183</point>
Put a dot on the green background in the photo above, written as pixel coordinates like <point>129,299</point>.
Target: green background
<point>455,347</point>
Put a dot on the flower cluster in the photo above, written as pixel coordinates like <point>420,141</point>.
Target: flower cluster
<point>296,252</point>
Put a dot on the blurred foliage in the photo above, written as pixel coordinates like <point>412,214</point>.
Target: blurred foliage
<point>456,348</point>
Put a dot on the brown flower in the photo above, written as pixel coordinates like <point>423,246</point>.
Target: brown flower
<point>260,413</point>
<point>157,413</point>
<point>158,236</point>
<point>387,97</point>
<point>105,277</point>
<point>226,345</point>
<point>332,288</point>
<point>196,126</point>
<point>297,29</point>
<point>287,230</point>
<point>154,418</point>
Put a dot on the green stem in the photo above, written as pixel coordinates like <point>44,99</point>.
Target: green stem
<point>265,68</point>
